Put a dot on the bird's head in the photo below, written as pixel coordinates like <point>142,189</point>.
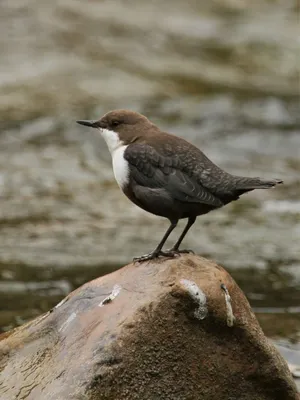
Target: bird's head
<point>120,127</point>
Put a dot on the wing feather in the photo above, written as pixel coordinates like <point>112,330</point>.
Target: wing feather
<point>151,169</point>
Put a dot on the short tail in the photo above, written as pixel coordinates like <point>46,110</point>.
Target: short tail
<point>256,183</point>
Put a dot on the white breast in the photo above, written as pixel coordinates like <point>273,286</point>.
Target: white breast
<point>120,166</point>
<point>117,148</point>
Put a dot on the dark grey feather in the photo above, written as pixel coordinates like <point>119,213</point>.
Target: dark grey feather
<point>150,169</point>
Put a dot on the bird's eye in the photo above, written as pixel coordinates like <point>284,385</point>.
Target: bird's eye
<point>115,123</point>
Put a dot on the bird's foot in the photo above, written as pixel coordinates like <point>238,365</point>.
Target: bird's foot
<point>155,254</point>
<point>186,251</point>
<point>178,251</point>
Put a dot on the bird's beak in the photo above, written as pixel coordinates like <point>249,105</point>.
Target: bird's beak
<point>92,124</point>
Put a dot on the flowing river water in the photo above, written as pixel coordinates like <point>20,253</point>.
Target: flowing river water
<point>222,74</point>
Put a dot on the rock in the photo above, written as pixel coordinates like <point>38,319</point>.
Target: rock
<point>172,329</point>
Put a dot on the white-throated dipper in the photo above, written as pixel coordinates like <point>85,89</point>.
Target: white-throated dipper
<point>166,175</point>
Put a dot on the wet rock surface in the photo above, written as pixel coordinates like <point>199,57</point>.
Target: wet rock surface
<point>169,329</point>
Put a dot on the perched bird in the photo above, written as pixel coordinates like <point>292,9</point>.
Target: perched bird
<point>166,175</point>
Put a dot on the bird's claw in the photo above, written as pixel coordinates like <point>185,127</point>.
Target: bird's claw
<point>178,252</point>
<point>155,254</point>
<point>170,253</point>
<point>186,251</point>
<point>145,257</point>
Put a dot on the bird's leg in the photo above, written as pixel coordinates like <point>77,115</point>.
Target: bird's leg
<point>158,252</point>
<point>175,248</point>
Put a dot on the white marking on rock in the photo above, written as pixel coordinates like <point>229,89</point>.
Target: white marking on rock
<point>230,317</point>
<point>117,149</point>
<point>198,296</point>
<point>39,319</point>
<point>67,322</point>
<point>116,290</point>
<point>61,303</point>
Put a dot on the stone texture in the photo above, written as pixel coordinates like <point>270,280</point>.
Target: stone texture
<point>158,330</point>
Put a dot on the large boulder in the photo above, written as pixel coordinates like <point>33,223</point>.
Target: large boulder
<point>169,329</point>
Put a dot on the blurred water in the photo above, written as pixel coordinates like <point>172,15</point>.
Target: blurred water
<point>222,74</point>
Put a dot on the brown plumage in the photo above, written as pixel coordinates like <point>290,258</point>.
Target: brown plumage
<point>167,175</point>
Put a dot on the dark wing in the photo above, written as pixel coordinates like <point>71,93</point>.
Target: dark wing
<point>150,169</point>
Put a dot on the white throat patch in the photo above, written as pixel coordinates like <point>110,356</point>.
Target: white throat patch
<point>111,138</point>
<point>117,149</point>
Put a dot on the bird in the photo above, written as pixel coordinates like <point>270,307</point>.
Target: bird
<point>166,175</point>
